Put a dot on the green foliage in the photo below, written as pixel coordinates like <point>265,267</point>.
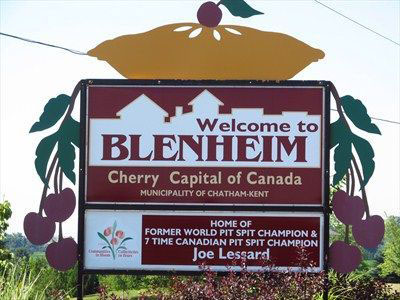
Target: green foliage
<point>357,286</point>
<point>239,8</point>
<point>17,283</point>
<point>391,248</point>
<point>60,282</point>
<point>5,215</point>
<point>18,243</point>
<point>53,111</point>
<point>129,282</point>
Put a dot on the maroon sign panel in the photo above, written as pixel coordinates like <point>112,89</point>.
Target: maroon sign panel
<point>242,145</point>
<point>278,242</point>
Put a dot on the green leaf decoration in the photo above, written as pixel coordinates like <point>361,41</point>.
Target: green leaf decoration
<point>53,111</point>
<point>339,132</point>
<point>104,238</point>
<point>342,159</point>
<point>121,247</point>
<point>114,228</point>
<point>239,8</point>
<point>357,113</point>
<point>71,129</point>
<point>43,152</point>
<point>66,156</point>
<point>341,137</point>
<point>365,154</point>
<point>126,239</point>
<point>68,136</point>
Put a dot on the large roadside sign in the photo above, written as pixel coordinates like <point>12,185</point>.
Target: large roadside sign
<point>176,174</point>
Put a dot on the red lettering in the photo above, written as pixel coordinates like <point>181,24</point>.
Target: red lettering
<point>108,145</point>
<point>197,147</point>
<point>159,145</point>
<point>243,145</point>
<point>135,149</point>
<point>300,144</point>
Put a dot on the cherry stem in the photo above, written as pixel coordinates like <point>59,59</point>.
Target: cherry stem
<point>60,234</point>
<point>343,118</point>
<point>346,234</point>
<point>56,190</point>
<point>219,3</point>
<point>75,93</point>
<point>44,193</point>
<point>61,180</point>
<point>364,194</point>
<point>353,181</point>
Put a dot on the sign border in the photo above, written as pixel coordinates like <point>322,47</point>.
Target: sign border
<point>83,206</point>
<point>209,84</point>
<point>265,214</point>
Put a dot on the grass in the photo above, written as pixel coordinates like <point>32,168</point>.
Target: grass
<point>17,284</point>
<point>395,286</point>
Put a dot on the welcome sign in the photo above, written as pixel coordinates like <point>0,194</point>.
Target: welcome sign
<point>206,143</point>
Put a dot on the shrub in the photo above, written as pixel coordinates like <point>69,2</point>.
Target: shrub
<point>263,285</point>
<point>129,282</point>
<point>61,283</point>
<point>359,286</point>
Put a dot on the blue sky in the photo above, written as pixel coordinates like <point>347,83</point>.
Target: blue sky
<point>358,62</point>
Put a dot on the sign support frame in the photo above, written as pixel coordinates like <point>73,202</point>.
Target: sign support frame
<point>83,206</point>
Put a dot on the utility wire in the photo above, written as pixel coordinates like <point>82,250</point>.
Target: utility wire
<point>359,24</point>
<point>82,53</point>
<point>44,44</point>
<point>379,119</point>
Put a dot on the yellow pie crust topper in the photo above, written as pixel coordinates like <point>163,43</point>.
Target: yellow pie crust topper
<point>193,51</point>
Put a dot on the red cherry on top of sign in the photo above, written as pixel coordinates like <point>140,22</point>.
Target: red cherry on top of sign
<point>62,255</point>
<point>38,229</point>
<point>59,207</point>
<point>344,258</point>
<point>209,14</point>
<point>369,232</point>
<point>347,209</point>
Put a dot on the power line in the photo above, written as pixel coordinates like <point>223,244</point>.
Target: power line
<point>359,24</point>
<point>379,119</point>
<point>44,44</point>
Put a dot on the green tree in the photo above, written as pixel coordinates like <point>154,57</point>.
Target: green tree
<point>391,247</point>
<point>18,244</point>
<point>5,214</point>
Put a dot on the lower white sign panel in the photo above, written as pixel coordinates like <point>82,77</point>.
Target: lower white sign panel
<point>182,241</point>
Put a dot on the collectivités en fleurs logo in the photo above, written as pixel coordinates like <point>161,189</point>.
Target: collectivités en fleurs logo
<point>114,239</point>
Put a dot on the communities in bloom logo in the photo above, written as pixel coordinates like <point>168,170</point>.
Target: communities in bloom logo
<point>114,238</point>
